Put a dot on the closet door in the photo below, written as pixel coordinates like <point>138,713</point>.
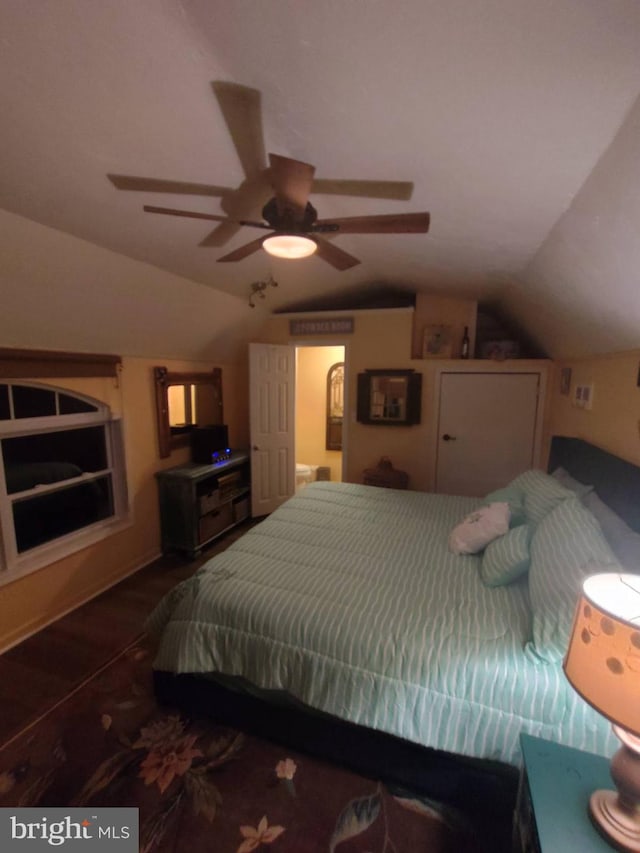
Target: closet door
<point>487,430</point>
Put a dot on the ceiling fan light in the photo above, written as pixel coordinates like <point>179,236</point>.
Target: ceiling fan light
<point>289,246</point>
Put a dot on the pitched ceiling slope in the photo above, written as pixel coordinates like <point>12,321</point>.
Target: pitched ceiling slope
<point>581,293</point>
<point>63,293</point>
<point>497,111</point>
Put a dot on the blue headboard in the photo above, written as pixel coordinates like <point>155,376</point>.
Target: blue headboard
<point>616,481</point>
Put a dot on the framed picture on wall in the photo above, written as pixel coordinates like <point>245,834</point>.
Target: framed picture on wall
<point>565,380</point>
<point>437,342</point>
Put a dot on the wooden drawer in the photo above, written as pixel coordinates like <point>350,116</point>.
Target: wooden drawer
<point>209,501</point>
<point>214,522</point>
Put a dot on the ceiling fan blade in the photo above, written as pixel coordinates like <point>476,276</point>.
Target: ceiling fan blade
<point>291,181</point>
<point>220,235</point>
<point>192,214</point>
<point>243,251</point>
<point>335,256</point>
<point>391,223</point>
<point>398,190</point>
<point>158,185</point>
<point>243,203</point>
<point>242,111</point>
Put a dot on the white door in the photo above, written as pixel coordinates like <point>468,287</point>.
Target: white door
<point>486,430</point>
<point>272,426</point>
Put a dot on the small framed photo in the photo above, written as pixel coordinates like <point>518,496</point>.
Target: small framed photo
<point>437,342</point>
<point>565,380</point>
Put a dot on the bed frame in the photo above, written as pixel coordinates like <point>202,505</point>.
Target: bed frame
<point>484,790</point>
<point>616,481</point>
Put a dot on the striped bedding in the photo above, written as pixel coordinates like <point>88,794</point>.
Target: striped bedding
<point>348,598</point>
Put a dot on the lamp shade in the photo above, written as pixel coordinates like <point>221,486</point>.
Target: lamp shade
<point>289,246</point>
<point>603,659</point>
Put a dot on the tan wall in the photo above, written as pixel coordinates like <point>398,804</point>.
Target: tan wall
<point>33,601</point>
<point>383,339</point>
<point>312,366</point>
<point>613,422</point>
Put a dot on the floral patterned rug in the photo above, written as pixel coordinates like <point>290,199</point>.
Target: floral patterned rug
<point>204,787</point>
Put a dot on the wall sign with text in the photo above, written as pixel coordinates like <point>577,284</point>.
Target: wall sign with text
<point>322,326</point>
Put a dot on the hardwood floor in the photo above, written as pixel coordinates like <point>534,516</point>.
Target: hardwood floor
<point>39,672</point>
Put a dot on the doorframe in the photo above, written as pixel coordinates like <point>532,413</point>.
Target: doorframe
<point>328,342</point>
<point>539,366</point>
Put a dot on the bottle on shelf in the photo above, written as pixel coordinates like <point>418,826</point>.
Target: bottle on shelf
<point>464,352</point>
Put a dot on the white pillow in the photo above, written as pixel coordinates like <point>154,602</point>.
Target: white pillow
<point>569,482</point>
<point>479,528</point>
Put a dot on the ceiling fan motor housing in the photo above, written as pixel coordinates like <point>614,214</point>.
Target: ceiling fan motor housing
<point>287,220</point>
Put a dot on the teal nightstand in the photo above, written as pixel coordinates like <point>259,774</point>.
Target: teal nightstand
<point>553,799</point>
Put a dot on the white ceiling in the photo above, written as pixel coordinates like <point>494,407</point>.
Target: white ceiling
<point>503,114</point>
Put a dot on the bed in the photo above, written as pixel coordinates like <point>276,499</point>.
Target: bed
<point>348,604</point>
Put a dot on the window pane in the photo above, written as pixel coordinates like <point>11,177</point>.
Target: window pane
<point>4,403</point>
<point>46,517</point>
<point>30,460</point>
<point>72,405</point>
<point>33,402</point>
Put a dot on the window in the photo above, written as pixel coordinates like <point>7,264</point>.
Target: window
<point>62,483</point>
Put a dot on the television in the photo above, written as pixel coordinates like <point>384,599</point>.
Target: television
<point>210,444</point>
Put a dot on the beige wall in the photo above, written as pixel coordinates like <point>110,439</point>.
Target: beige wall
<point>33,601</point>
<point>312,366</point>
<point>613,422</point>
<point>383,339</point>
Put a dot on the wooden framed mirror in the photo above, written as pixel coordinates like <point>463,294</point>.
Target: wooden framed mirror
<point>389,397</point>
<point>183,402</point>
<point>335,406</point>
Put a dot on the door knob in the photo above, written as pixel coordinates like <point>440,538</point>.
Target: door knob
<point>447,437</point>
<point>255,447</point>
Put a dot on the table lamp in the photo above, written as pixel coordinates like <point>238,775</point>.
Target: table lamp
<point>603,665</point>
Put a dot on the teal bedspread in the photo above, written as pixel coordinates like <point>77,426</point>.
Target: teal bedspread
<point>348,598</point>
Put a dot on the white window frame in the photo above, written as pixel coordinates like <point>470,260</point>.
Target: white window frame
<point>14,564</point>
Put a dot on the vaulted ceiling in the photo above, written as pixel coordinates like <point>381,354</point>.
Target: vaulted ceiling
<point>516,122</point>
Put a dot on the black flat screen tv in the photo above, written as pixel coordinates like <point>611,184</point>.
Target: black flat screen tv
<point>209,443</point>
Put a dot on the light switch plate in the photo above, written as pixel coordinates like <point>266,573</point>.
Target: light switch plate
<point>583,396</point>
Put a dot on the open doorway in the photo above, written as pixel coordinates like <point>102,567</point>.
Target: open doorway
<point>319,416</point>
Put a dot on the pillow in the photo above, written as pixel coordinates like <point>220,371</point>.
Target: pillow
<point>515,498</point>
<point>624,542</point>
<point>565,479</point>
<point>567,546</point>
<point>507,558</point>
<point>479,528</point>
<point>542,493</point>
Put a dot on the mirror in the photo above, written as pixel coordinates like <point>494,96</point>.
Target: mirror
<point>335,406</point>
<point>183,402</point>
<point>389,397</point>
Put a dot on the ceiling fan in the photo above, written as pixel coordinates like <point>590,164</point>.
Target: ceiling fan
<point>281,190</point>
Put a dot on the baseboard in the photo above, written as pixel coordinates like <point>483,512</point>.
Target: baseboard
<point>35,627</point>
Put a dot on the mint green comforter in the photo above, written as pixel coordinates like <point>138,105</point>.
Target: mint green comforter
<point>348,598</point>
